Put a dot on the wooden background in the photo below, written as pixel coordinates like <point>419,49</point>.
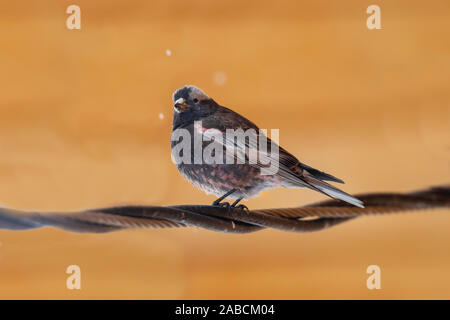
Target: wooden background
<point>80,127</point>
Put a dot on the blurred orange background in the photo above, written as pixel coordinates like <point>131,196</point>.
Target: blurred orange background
<point>86,119</point>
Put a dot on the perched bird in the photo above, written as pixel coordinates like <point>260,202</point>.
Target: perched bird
<point>238,180</point>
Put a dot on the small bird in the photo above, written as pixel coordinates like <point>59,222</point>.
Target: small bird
<point>239,180</point>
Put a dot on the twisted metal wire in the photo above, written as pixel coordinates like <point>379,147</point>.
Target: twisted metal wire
<point>309,218</point>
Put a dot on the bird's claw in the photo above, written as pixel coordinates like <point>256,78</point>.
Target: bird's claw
<point>242,207</point>
<point>225,205</point>
<point>222,205</point>
<point>229,206</point>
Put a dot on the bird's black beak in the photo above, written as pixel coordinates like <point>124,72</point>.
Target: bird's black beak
<point>180,105</point>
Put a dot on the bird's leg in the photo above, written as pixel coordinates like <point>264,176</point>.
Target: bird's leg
<point>236,202</point>
<point>223,204</point>
<point>241,206</point>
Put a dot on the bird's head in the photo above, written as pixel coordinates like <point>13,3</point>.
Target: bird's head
<point>190,104</point>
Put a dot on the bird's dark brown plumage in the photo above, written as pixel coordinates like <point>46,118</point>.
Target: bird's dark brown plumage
<point>193,106</point>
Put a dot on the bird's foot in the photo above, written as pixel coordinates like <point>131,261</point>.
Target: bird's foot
<point>241,207</point>
<point>225,205</point>
<point>221,204</point>
<point>229,206</point>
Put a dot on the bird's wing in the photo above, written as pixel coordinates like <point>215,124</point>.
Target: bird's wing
<point>287,166</point>
<point>228,120</point>
<point>286,160</point>
<point>292,162</point>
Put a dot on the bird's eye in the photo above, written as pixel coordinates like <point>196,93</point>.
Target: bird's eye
<point>195,100</point>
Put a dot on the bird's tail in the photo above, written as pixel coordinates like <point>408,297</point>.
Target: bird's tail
<point>329,190</point>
